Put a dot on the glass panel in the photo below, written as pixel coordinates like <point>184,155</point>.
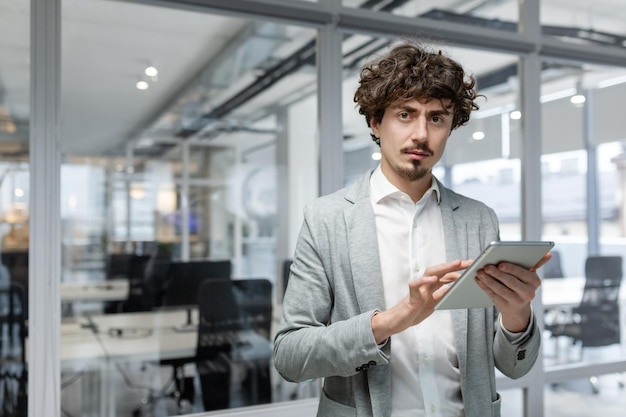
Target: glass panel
<point>601,395</point>
<point>172,142</point>
<point>14,200</point>
<point>584,23</point>
<point>512,402</point>
<point>493,14</point>
<point>582,292</point>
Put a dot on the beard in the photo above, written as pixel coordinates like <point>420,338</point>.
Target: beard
<point>414,173</point>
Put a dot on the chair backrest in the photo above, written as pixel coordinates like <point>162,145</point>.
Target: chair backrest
<point>255,301</point>
<point>12,324</point>
<point>552,269</point>
<point>219,317</point>
<point>599,307</point>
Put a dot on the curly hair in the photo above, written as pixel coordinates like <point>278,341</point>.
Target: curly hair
<point>411,72</point>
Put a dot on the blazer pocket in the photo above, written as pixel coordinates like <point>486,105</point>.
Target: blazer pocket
<point>495,406</point>
<point>331,408</point>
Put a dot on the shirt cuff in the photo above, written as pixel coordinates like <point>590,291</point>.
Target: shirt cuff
<point>517,338</point>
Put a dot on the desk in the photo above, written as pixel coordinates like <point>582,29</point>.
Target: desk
<point>143,337</point>
<point>109,290</point>
<point>152,335</point>
<point>568,292</point>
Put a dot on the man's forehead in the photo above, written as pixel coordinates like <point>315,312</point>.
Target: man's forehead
<point>434,103</point>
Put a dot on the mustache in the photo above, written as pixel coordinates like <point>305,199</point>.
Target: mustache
<point>422,147</point>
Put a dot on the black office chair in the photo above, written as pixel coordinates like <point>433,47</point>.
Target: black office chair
<point>219,322</point>
<point>13,368</point>
<point>254,297</point>
<point>552,268</point>
<point>227,307</point>
<point>596,321</point>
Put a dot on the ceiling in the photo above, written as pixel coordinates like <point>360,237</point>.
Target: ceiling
<point>216,74</point>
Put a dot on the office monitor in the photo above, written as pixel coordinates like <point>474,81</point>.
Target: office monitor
<point>183,283</point>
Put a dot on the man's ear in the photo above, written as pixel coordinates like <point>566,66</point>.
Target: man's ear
<point>374,125</point>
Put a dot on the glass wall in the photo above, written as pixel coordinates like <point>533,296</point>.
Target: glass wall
<point>190,138</point>
<point>169,199</point>
<point>14,207</point>
<point>494,14</point>
<point>582,211</point>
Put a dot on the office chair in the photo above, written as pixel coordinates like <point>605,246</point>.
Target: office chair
<point>13,368</point>
<point>219,321</point>
<point>254,297</point>
<point>552,268</point>
<point>595,322</point>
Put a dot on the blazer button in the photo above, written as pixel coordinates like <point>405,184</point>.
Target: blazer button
<point>372,363</point>
<point>521,355</point>
<point>359,369</point>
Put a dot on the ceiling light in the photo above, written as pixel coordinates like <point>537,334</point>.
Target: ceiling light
<point>515,115</point>
<point>376,156</point>
<point>151,71</point>
<point>577,99</point>
<point>142,85</point>
<point>478,135</point>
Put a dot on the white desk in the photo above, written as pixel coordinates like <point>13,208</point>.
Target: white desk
<point>109,290</point>
<point>152,336</point>
<point>568,292</point>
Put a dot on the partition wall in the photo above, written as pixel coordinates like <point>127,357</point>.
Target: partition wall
<point>250,117</point>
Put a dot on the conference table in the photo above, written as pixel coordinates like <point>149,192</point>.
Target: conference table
<point>105,343</point>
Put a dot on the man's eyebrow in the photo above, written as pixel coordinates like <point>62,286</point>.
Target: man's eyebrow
<point>434,112</point>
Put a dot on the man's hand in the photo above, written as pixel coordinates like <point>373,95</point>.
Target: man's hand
<point>511,288</point>
<point>419,303</point>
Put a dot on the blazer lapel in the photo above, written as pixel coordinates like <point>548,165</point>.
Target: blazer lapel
<point>363,247</point>
<point>455,235</point>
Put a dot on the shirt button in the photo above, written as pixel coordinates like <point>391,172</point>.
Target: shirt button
<point>415,225</point>
<point>425,359</point>
<point>417,267</point>
<point>432,408</point>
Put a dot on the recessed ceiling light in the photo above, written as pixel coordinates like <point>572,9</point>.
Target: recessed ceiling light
<point>142,85</point>
<point>376,156</point>
<point>577,99</point>
<point>515,115</point>
<point>151,71</point>
<point>478,135</point>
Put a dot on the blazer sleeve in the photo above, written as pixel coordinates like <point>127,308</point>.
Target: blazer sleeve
<point>319,336</point>
<point>516,359</point>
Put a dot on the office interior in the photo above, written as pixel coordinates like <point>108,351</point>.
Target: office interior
<point>155,157</point>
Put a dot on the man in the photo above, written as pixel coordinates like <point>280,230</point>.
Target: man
<point>372,260</point>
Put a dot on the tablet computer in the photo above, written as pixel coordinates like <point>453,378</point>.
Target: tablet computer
<point>465,293</point>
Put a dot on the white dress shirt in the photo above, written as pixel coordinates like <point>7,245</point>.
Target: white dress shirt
<point>425,378</point>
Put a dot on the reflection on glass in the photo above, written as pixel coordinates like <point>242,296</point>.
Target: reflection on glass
<point>173,142</point>
<point>14,204</point>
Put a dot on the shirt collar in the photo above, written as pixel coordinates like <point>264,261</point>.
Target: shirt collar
<point>380,187</point>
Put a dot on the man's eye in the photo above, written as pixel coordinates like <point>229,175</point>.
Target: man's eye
<point>404,115</point>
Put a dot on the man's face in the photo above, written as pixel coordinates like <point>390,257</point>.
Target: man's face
<point>413,136</point>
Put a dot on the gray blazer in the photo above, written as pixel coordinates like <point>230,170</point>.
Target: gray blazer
<point>335,285</point>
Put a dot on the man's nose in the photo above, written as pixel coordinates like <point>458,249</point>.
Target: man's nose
<point>420,130</point>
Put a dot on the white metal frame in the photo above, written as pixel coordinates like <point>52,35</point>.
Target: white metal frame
<point>331,19</point>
